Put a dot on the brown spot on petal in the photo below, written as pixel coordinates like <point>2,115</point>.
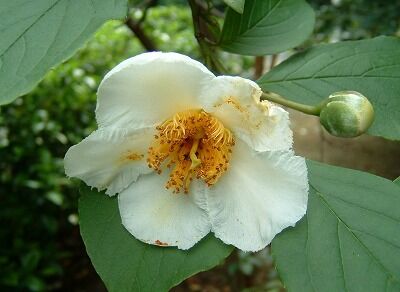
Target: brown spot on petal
<point>159,243</point>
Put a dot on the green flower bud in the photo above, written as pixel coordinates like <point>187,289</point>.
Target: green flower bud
<point>347,114</point>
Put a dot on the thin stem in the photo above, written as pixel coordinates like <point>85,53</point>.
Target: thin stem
<point>258,66</point>
<point>205,33</point>
<point>136,28</point>
<point>307,109</point>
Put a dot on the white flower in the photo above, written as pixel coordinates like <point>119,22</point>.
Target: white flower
<point>191,153</point>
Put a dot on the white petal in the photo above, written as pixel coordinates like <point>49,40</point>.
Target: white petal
<point>150,88</point>
<point>236,102</point>
<point>156,216</point>
<point>110,158</point>
<point>261,194</point>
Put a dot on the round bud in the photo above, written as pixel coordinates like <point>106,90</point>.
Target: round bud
<point>347,114</point>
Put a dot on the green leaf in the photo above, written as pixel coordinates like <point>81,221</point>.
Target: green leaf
<point>267,27</point>
<point>31,260</point>
<point>126,264</point>
<point>371,67</point>
<point>349,239</point>
<point>397,181</point>
<point>37,35</point>
<point>35,283</point>
<point>237,5</point>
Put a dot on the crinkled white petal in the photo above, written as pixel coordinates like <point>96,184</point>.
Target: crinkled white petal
<point>236,102</point>
<point>150,88</point>
<point>155,215</point>
<point>110,158</point>
<point>260,194</point>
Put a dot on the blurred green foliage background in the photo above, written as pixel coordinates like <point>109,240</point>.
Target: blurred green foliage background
<point>40,245</point>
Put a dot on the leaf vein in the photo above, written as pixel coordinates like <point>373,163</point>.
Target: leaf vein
<point>341,255</point>
<point>377,237</point>
<point>365,208</point>
<point>251,26</point>
<point>30,26</point>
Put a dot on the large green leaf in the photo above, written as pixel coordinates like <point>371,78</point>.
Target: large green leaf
<point>350,237</point>
<point>267,27</point>
<point>37,35</point>
<point>237,5</point>
<point>126,264</point>
<point>371,67</point>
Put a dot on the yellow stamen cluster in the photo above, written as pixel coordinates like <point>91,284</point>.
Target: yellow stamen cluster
<point>193,144</point>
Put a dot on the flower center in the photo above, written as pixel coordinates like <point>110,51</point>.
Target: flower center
<point>193,144</point>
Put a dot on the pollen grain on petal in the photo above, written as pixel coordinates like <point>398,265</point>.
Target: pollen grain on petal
<point>132,156</point>
<point>235,104</point>
<point>191,144</point>
<point>251,114</point>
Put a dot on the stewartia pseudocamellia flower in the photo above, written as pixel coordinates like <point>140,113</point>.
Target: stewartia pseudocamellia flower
<point>189,153</point>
